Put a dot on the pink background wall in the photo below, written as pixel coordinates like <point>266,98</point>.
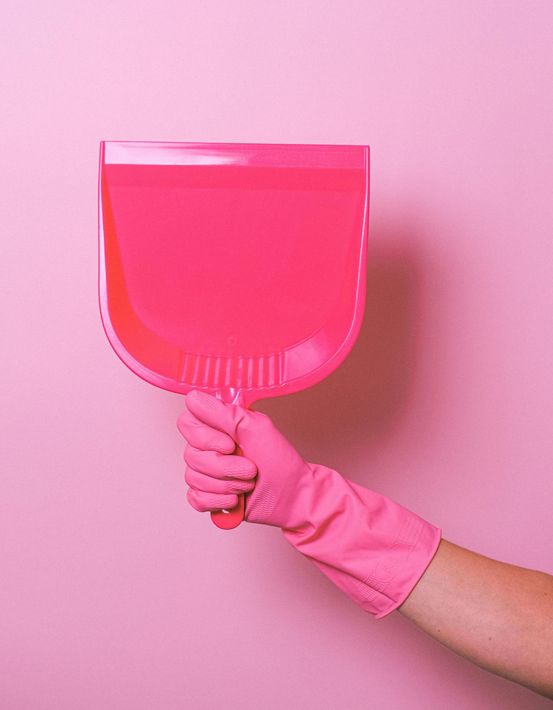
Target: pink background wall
<point>114,593</point>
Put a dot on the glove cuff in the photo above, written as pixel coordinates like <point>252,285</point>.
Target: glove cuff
<point>372,548</point>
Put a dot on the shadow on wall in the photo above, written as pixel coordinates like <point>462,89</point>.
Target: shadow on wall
<point>348,415</point>
<point>362,401</point>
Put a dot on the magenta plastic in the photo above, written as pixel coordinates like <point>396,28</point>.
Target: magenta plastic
<point>237,269</point>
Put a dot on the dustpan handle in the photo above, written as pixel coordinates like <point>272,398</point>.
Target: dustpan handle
<point>227,520</point>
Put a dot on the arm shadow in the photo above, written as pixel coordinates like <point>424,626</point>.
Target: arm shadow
<point>362,401</point>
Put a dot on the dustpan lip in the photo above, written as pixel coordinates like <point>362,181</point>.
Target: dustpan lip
<point>245,396</point>
<point>308,155</point>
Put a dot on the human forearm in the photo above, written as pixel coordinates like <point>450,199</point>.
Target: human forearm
<point>497,615</point>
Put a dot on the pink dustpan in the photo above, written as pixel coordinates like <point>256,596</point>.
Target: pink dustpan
<point>237,269</point>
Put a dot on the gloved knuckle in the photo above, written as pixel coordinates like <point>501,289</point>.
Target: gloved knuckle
<point>188,475</point>
<point>188,453</point>
<point>205,501</point>
<point>187,422</point>
<point>191,497</point>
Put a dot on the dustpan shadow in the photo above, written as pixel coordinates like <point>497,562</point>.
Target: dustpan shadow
<point>360,403</point>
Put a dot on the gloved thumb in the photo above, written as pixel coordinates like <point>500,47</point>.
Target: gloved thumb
<point>215,413</point>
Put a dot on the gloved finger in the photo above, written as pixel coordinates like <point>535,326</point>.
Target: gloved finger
<point>203,501</point>
<point>208,484</point>
<point>220,465</point>
<point>212,411</point>
<point>202,436</point>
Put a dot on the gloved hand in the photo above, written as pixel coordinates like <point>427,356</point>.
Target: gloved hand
<point>372,548</point>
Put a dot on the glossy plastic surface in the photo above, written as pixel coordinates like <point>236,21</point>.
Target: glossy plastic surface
<point>237,269</point>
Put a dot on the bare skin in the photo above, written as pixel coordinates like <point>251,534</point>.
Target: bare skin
<point>497,615</point>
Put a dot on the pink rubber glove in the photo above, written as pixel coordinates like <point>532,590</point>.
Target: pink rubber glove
<point>372,548</point>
